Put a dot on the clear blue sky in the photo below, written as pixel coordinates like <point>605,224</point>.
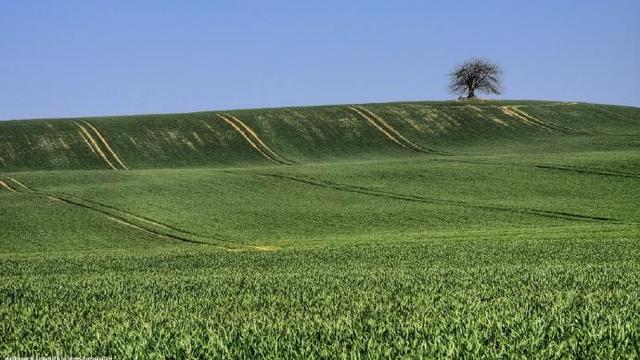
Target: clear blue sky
<point>91,57</point>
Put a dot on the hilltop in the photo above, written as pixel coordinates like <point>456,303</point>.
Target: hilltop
<point>302,134</point>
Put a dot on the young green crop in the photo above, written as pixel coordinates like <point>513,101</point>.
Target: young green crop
<point>522,241</point>
<point>306,134</point>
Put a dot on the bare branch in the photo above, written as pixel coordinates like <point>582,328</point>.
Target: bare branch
<point>475,75</point>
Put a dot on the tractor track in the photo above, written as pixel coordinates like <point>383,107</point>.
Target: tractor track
<point>136,217</point>
<point>390,132</point>
<point>259,141</point>
<point>122,220</point>
<point>414,198</point>
<point>93,145</point>
<point>86,141</point>
<point>19,183</point>
<point>140,223</point>
<point>565,168</point>
<point>106,145</point>
<point>588,171</point>
<point>6,186</point>
<point>515,111</point>
<point>252,138</point>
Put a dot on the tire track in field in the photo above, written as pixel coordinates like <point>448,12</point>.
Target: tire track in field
<point>253,139</point>
<point>428,200</point>
<point>144,224</point>
<point>93,145</point>
<point>589,171</point>
<point>515,111</point>
<point>567,168</point>
<point>106,144</point>
<point>136,217</point>
<point>548,124</point>
<point>23,186</point>
<point>6,186</point>
<point>124,221</point>
<point>255,136</point>
<point>239,130</point>
<point>86,141</point>
<point>389,131</point>
<point>382,130</point>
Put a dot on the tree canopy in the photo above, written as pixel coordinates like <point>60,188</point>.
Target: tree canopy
<point>476,75</point>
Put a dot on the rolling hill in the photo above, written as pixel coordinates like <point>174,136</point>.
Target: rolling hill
<point>298,135</point>
<point>422,229</point>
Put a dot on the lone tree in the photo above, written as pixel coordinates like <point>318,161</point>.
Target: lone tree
<point>475,75</point>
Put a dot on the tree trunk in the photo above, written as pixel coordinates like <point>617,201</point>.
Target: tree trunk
<point>472,94</point>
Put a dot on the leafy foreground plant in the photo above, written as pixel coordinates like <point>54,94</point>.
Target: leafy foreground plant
<point>542,298</point>
<point>406,230</point>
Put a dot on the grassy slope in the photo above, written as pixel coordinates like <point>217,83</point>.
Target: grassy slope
<point>301,134</point>
<point>379,250</point>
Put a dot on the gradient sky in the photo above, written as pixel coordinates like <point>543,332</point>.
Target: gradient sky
<point>90,57</point>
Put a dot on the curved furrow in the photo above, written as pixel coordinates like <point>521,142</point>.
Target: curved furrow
<point>258,141</point>
<point>566,168</point>
<point>239,129</point>
<point>4,185</point>
<point>93,145</point>
<point>389,131</point>
<point>414,198</point>
<point>20,184</point>
<point>140,223</point>
<point>549,123</point>
<point>106,145</point>
<point>388,126</point>
<point>515,111</point>
<point>588,171</point>
<point>377,126</point>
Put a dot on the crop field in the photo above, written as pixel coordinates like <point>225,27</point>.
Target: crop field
<point>400,230</point>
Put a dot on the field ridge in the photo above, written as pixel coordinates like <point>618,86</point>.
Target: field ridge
<point>300,135</point>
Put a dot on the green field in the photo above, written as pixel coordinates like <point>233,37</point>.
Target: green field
<point>424,229</point>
